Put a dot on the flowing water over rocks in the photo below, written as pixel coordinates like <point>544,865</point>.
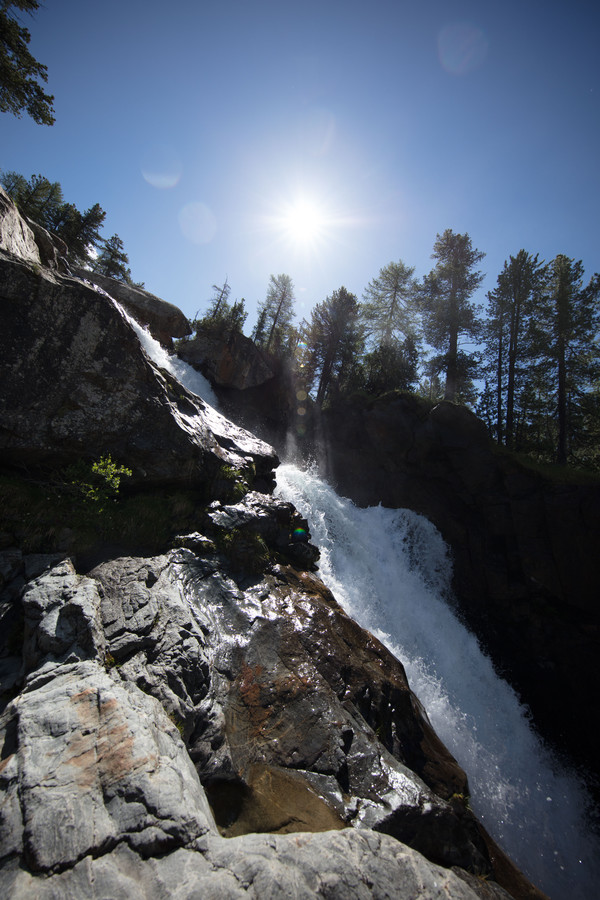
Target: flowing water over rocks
<point>391,571</point>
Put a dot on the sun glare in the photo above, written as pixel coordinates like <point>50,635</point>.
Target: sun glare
<point>304,222</point>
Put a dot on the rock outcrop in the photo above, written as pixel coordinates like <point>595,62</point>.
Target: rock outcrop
<point>164,320</point>
<point>166,712</point>
<point>16,235</point>
<point>77,384</point>
<point>228,359</point>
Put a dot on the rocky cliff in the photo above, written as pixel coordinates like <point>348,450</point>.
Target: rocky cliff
<point>204,720</point>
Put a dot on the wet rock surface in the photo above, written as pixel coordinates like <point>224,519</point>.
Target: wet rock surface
<point>169,711</point>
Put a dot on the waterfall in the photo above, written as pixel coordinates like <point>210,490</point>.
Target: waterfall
<point>187,376</point>
<point>391,571</point>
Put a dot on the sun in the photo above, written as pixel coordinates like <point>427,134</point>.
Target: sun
<point>304,221</point>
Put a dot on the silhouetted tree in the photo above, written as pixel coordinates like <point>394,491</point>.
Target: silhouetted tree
<point>112,260</point>
<point>333,343</point>
<point>448,312</point>
<point>20,72</point>
<point>275,315</point>
<point>392,365</point>
<point>508,351</point>
<point>567,325</point>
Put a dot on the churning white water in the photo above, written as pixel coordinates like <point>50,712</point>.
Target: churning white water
<point>187,376</point>
<point>390,570</point>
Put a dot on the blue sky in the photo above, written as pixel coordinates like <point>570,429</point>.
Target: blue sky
<point>320,139</point>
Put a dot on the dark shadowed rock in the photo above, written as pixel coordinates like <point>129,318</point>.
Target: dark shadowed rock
<point>228,359</point>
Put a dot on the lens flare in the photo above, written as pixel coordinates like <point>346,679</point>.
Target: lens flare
<point>198,223</point>
<point>462,47</point>
<point>161,166</point>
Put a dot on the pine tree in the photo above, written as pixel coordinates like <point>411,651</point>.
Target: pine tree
<point>42,201</point>
<point>389,310</point>
<point>112,260</point>
<point>567,329</point>
<point>20,72</point>
<point>448,313</point>
<point>505,331</point>
<point>333,343</point>
<point>275,315</point>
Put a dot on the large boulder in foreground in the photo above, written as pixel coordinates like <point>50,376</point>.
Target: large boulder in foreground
<point>160,714</point>
<point>77,384</point>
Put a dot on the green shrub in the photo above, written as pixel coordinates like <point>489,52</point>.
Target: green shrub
<point>97,483</point>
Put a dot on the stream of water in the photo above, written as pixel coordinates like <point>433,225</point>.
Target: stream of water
<point>390,570</point>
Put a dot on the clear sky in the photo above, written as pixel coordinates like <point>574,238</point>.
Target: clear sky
<point>319,139</point>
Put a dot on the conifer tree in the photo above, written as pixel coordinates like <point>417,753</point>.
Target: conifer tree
<point>567,330</point>
<point>389,310</point>
<point>275,315</point>
<point>20,72</point>
<point>448,313</point>
<point>507,349</point>
<point>42,201</point>
<point>112,260</point>
<point>334,343</point>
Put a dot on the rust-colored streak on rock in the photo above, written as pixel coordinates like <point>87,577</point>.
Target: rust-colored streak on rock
<point>104,750</point>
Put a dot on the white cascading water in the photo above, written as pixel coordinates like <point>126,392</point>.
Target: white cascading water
<point>391,570</point>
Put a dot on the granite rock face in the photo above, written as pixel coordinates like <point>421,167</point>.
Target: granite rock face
<point>17,237</point>
<point>166,711</point>
<point>227,360</point>
<point>204,722</point>
<point>77,383</point>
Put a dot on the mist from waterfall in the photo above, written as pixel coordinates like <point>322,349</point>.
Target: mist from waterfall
<point>391,571</point>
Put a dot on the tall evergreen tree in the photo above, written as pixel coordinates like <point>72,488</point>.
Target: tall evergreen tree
<point>42,201</point>
<point>389,310</point>
<point>507,349</point>
<point>567,328</point>
<point>448,313</point>
<point>20,72</point>
<point>334,341</point>
<point>275,315</point>
<point>112,260</point>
